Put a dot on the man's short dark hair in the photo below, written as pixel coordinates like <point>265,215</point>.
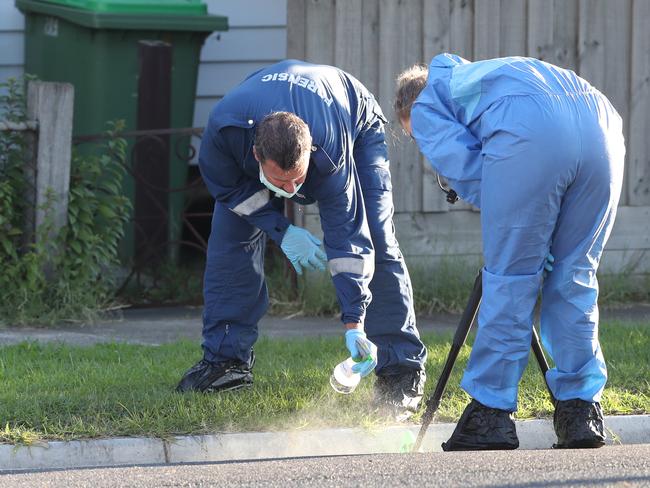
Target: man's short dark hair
<point>283,137</point>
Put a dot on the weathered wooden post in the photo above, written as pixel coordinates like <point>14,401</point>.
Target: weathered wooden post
<point>50,105</point>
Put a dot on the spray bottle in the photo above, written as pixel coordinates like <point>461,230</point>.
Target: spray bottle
<point>343,379</point>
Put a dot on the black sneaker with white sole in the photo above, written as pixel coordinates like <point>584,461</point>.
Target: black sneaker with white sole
<point>208,377</point>
<point>398,395</point>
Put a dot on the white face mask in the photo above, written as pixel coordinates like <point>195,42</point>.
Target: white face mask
<point>278,191</point>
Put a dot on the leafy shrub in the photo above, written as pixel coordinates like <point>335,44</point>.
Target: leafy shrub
<point>68,275</point>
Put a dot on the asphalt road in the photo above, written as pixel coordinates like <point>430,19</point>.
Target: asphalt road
<point>621,466</point>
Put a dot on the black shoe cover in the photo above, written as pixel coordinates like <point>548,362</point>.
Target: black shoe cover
<point>224,376</point>
<point>398,395</point>
<point>482,428</point>
<point>578,424</point>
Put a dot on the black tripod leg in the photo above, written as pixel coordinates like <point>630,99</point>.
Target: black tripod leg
<point>541,360</point>
<point>433,402</point>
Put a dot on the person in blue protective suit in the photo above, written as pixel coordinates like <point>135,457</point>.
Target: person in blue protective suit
<point>541,152</point>
<point>312,134</point>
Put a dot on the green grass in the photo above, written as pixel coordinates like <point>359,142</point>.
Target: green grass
<point>64,392</point>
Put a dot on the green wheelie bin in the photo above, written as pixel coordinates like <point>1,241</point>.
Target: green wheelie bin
<point>94,44</point>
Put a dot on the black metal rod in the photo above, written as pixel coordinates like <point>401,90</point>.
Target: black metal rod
<point>464,326</point>
<point>541,361</point>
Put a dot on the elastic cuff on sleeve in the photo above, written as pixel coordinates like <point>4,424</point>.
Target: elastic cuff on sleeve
<point>278,230</point>
<point>349,318</point>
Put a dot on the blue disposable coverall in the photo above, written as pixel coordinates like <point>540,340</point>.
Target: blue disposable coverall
<point>541,152</point>
<point>348,176</point>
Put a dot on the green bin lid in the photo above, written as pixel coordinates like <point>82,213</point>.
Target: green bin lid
<point>159,15</point>
<point>175,7</point>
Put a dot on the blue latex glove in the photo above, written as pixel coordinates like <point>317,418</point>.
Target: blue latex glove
<point>548,263</point>
<point>303,249</point>
<point>361,350</point>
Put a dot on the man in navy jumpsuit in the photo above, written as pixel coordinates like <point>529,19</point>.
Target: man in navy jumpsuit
<point>541,152</point>
<point>252,157</point>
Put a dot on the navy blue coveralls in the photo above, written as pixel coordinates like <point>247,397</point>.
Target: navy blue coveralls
<point>350,179</point>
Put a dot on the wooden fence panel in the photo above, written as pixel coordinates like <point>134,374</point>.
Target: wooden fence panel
<point>320,30</point>
<point>369,73</point>
<point>591,42</point>
<point>487,25</point>
<point>436,29</point>
<point>399,23</point>
<point>436,38</point>
<point>513,28</point>
<point>348,36</point>
<point>540,29</point>
<point>296,36</point>
<point>373,39</point>
<point>461,34</point>
<point>606,41</point>
<point>553,32</point>
<point>638,170</point>
<point>564,50</point>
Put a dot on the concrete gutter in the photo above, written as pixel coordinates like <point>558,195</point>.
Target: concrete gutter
<point>533,434</point>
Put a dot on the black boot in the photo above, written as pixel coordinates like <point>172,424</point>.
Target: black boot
<point>482,428</point>
<point>223,376</point>
<point>578,424</point>
<point>398,395</point>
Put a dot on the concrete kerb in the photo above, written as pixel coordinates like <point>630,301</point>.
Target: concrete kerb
<point>533,434</point>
